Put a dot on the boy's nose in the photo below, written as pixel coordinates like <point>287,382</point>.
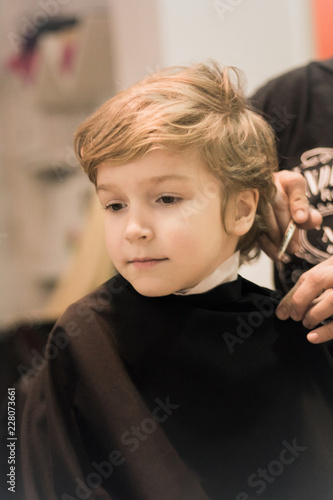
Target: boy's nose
<point>138,230</point>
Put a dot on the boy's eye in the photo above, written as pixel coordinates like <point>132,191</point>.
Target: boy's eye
<point>168,200</point>
<point>115,207</point>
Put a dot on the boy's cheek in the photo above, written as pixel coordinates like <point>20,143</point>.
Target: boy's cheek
<point>189,210</point>
<point>112,251</point>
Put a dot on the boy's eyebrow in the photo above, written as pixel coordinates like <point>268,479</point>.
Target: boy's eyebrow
<point>103,187</point>
<point>162,178</point>
<point>154,180</point>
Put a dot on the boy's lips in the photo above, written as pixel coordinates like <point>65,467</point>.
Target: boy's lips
<point>146,261</point>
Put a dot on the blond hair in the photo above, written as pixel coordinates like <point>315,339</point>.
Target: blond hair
<point>179,108</point>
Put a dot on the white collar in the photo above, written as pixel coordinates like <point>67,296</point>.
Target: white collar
<point>227,271</point>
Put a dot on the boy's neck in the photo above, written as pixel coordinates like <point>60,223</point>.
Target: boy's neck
<point>225,272</point>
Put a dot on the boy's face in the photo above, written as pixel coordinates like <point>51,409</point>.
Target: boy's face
<point>163,223</point>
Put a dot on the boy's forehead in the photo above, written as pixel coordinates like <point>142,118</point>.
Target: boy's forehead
<point>155,167</point>
<point>153,180</point>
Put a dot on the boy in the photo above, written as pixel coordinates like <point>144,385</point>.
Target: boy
<point>175,380</point>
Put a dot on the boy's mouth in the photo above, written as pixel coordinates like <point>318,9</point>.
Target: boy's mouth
<point>146,262</point>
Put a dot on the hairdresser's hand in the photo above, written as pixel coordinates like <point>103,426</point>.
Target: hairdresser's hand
<point>290,203</point>
<point>311,301</point>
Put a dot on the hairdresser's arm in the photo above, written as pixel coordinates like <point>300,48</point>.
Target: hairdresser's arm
<point>311,301</point>
<point>290,203</point>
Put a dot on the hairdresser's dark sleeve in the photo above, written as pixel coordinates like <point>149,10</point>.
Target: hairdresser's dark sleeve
<point>284,102</point>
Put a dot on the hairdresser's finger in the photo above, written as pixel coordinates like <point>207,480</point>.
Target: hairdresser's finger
<point>309,286</point>
<point>294,186</point>
<point>321,310</point>
<point>314,219</point>
<point>321,334</point>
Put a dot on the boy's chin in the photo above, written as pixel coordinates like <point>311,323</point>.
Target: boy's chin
<point>152,288</point>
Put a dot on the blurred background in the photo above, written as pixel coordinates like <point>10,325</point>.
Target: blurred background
<point>59,59</point>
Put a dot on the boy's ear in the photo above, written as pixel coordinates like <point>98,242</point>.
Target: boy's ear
<point>244,210</point>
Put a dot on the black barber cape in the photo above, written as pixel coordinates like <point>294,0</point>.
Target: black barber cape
<point>204,396</point>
